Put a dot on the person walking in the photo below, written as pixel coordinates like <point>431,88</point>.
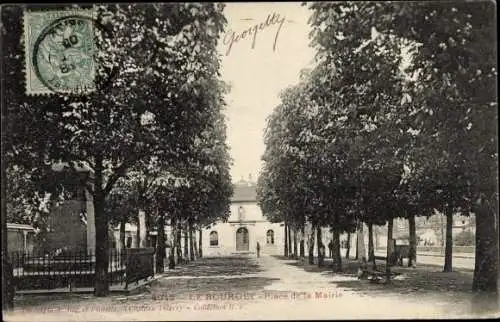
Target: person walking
<point>258,250</point>
<point>330,249</point>
<point>321,255</point>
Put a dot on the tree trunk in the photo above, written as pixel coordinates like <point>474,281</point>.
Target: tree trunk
<point>196,254</point>
<point>448,251</point>
<point>295,252</point>
<point>178,242</point>
<point>371,249</point>
<point>302,250</point>
<point>160,244</point>
<point>319,240</point>
<point>142,228</point>
<point>7,267</point>
<point>137,243</point>
<point>412,261</point>
<point>101,241</point>
<point>390,250</point>
<point>348,249</point>
<point>122,234</point>
<point>360,246</point>
<point>442,232</point>
<point>173,235</point>
<point>286,241</point>
<point>311,246</point>
<point>356,255</point>
<point>200,244</point>
<point>337,259</point>
<point>191,246</point>
<point>486,265</point>
<point>186,242</point>
<point>289,240</point>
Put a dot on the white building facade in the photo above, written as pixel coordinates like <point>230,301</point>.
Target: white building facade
<point>245,227</point>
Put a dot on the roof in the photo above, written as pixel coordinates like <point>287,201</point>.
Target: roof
<point>19,226</point>
<point>244,191</point>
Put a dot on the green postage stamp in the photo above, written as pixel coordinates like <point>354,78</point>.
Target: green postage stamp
<point>59,51</point>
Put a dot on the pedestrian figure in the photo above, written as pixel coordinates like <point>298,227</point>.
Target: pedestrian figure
<point>330,248</point>
<point>258,250</point>
<point>321,257</point>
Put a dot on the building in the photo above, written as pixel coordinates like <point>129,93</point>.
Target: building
<point>430,231</point>
<point>20,238</point>
<point>245,227</point>
<point>70,223</point>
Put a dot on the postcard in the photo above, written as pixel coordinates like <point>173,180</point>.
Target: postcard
<point>249,161</point>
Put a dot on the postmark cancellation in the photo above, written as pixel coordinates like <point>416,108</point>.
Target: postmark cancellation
<point>59,51</point>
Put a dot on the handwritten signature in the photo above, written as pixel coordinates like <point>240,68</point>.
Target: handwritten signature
<point>272,19</point>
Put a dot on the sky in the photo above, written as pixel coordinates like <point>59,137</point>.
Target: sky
<point>257,75</point>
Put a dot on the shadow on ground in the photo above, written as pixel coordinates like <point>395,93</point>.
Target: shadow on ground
<point>210,266</point>
<point>348,268</point>
<point>207,272</point>
<point>161,289</point>
<point>425,280</point>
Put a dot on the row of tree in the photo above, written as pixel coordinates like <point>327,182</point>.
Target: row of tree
<point>397,118</point>
<point>153,132</point>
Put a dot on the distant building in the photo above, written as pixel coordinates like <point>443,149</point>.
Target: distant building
<point>431,231</point>
<point>245,227</point>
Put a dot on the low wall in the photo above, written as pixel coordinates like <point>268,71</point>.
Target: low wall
<point>439,249</point>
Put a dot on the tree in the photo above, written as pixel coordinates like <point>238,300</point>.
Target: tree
<point>153,67</point>
<point>359,75</point>
<point>457,59</point>
<point>453,66</point>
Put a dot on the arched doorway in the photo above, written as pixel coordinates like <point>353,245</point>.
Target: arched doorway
<point>270,237</point>
<point>242,243</point>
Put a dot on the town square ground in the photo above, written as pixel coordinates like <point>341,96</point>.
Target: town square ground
<point>269,287</point>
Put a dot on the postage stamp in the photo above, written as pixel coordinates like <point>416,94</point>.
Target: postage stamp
<point>59,51</point>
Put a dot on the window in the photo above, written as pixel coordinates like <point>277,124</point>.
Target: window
<point>270,236</point>
<point>129,242</point>
<point>214,239</point>
<point>241,213</point>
